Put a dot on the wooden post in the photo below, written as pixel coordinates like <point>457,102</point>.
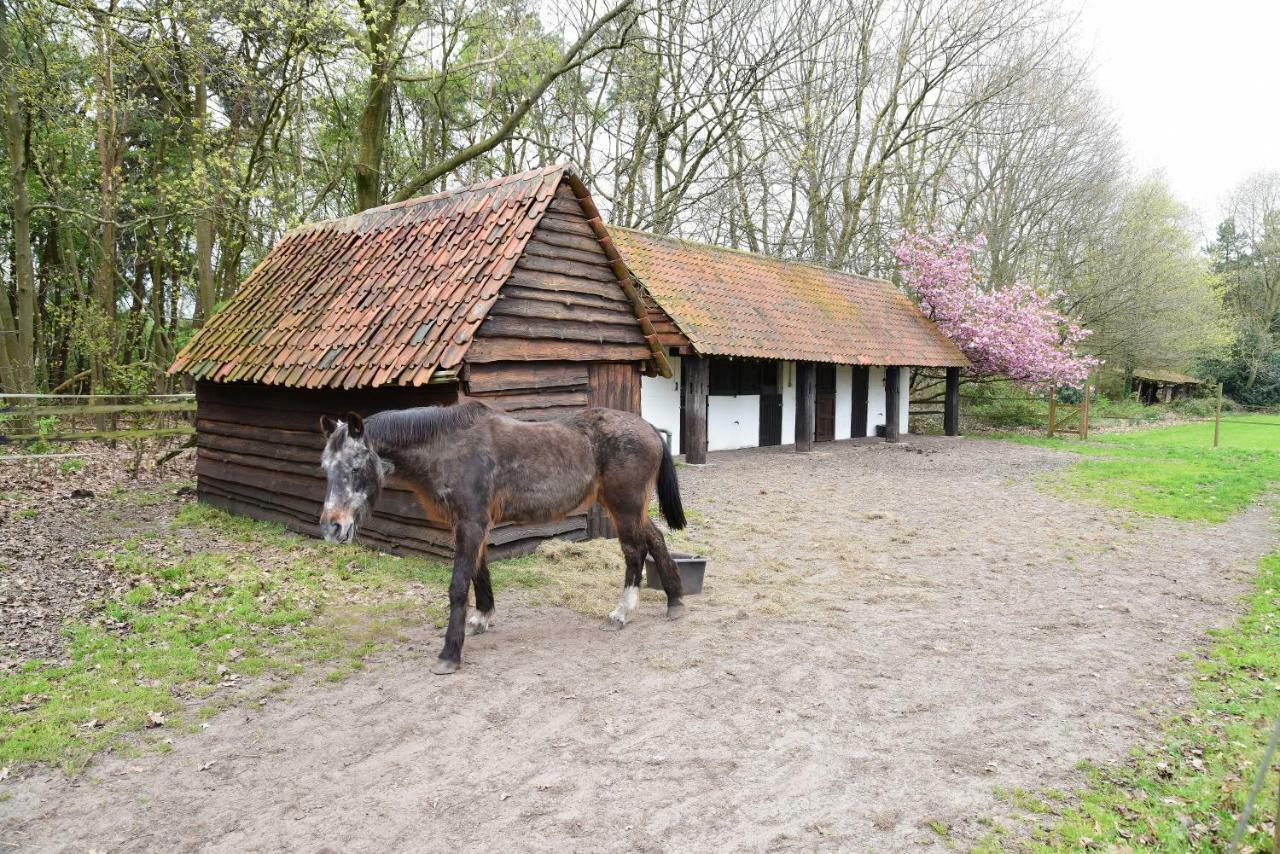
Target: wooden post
<point>806,405</point>
<point>1217,424</point>
<point>1053,409</point>
<point>695,383</point>
<point>892,396</point>
<point>1084,407</point>
<point>951,409</point>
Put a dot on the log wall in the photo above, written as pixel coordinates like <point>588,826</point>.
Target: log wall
<point>258,455</point>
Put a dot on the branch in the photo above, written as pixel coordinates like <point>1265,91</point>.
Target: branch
<point>464,68</point>
<point>568,62</point>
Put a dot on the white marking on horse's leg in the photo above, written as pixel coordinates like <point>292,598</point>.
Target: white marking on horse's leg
<point>480,621</point>
<point>630,599</point>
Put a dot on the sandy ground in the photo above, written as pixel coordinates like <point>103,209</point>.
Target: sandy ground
<point>887,635</point>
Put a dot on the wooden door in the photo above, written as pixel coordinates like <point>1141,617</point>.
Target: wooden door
<point>617,386</point>
<point>824,416</point>
<point>861,385</point>
<point>770,404</point>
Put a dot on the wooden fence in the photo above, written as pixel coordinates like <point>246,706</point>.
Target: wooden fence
<point>55,418</point>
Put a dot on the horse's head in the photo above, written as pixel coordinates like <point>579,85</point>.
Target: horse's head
<point>355,474</point>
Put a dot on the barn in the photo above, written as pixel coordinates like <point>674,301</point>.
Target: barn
<point>1160,386</point>
<point>510,291</point>
<point>771,352</point>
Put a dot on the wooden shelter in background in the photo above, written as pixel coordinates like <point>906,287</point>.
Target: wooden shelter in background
<point>509,291</point>
<point>771,352</point>
<point>1156,386</point>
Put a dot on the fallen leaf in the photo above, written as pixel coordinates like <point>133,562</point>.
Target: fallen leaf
<point>155,719</point>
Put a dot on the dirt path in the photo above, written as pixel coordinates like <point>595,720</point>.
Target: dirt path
<point>886,637</point>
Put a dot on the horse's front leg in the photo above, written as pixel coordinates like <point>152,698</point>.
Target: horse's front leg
<point>468,545</point>
<point>479,622</point>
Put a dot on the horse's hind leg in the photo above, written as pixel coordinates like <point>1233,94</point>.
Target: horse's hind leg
<point>634,548</point>
<point>479,622</point>
<point>671,583</point>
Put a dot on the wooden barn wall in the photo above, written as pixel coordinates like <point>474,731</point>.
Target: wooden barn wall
<point>562,302</point>
<point>258,455</point>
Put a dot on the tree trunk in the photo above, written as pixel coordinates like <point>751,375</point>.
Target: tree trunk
<point>18,368</point>
<point>205,296</point>
<point>380,27</point>
<point>109,174</point>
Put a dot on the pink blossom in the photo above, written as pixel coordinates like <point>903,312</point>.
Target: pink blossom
<point>1015,332</point>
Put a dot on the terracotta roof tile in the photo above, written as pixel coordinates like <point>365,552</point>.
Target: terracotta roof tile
<point>346,303</point>
<point>731,303</point>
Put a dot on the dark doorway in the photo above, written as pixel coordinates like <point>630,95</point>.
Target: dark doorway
<point>824,416</point>
<point>861,383</point>
<point>770,404</point>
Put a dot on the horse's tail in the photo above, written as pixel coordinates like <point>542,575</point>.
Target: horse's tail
<point>669,489</point>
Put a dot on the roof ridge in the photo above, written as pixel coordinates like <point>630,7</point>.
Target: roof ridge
<point>490,184</point>
<point>754,255</point>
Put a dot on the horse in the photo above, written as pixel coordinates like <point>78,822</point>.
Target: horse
<point>472,467</point>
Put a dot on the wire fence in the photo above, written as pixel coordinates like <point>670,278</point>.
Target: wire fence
<point>1084,408</point>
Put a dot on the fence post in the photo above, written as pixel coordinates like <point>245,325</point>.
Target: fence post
<point>1053,409</point>
<point>1217,416</point>
<point>1084,407</point>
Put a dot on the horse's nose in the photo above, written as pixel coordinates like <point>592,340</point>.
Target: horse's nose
<point>334,532</point>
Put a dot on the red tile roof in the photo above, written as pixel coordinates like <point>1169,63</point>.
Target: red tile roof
<point>388,296</point>
<point>732,303</point>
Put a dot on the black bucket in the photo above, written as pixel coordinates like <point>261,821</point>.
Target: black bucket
<point>692,568</point>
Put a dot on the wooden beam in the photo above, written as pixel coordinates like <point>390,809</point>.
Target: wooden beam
<point>892,395</point>
<point>695,384</point>
<point>951,409</point>
<point>806,405</point>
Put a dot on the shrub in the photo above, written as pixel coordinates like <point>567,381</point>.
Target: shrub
<point>1194,407</point>
<point>1009,412</point>
<point>1124,407</point>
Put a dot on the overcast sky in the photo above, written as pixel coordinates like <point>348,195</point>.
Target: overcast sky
<point>1195,85</point>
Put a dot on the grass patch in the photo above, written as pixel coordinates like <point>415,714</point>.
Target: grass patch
<point>1173,471</point>
<point>261,601</point>
<point>1186,795</point>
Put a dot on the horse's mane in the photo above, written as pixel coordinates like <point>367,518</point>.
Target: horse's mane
<point>401,428</point>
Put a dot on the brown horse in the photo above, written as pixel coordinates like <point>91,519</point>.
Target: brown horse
<point>473,467</point>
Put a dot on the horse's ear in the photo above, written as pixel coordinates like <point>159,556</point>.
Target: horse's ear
<point>327,425</point>
<point>355,425</point>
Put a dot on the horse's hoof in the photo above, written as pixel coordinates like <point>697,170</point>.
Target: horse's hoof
<point>478,624</point>
<point>675,611</point>
<point>613,623</point>
<point>444,665</point>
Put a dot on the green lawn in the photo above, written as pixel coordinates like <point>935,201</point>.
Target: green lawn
<point>176,646</point>
<point>1174,471</point>
<point>1186,794</point>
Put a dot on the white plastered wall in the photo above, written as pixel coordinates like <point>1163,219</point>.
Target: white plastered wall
<point>844,401</point>
<point>660,402</point>
<point>733,422</point>
<point>788,380</point>
<point>875,398</point>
